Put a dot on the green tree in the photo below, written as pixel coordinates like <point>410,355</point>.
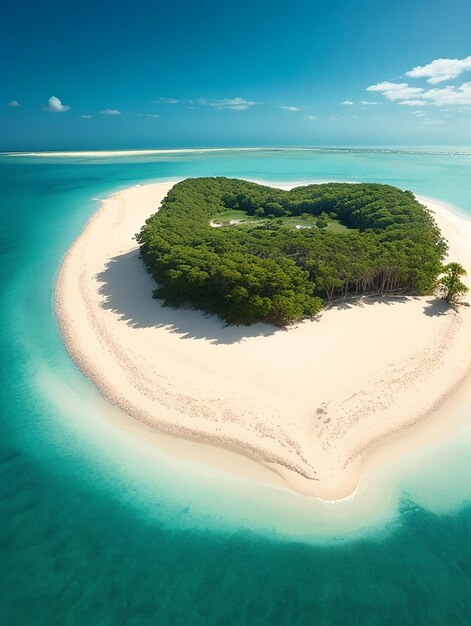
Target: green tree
<point>270,271</point>
<point>451,285</point>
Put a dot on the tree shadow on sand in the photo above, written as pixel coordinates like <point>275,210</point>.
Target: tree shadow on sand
<point>127,289</point>
<point>363,301</point>
<point>437,308</point>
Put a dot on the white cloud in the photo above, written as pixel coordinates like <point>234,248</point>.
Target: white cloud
<point>347,103</point>
<point>396,91</point>
<point>449,95</point>
<point>368,102</point>
<point>14,103</point>
<point>54,105</point>
<point>293,108</point>
<point>236,104</point>
<point>86,117</point>
<point>437,71</point>
<point>110,112</point>
<point>413,103</point>
<point>147,115</point>
<point>168,100</point>
<point>433,122</point>
<point>419,113</point>
<point>440,70</point>
<point>311,117</point>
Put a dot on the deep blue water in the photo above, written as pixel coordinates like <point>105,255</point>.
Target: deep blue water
<point>93,533</point>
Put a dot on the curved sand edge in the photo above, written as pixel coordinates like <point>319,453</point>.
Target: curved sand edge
<point>308,402</point>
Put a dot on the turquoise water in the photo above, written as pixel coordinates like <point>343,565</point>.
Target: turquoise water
<point>100,527</point>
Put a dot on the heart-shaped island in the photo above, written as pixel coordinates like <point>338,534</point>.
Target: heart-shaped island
<point>302,329</point>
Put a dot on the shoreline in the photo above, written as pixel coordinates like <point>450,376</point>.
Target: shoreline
<point>319,457</point>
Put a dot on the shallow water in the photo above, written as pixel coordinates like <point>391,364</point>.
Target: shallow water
<point>101,525</point>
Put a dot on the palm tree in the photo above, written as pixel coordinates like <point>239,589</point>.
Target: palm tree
<point>450,284</point>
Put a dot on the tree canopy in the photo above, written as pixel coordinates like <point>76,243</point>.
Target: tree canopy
<point>269,271</point>
<point>451,285</point>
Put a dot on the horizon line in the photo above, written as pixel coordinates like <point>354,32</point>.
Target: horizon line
<point>142,152</point>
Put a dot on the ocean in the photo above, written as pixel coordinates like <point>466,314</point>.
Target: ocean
<point>100,526</point>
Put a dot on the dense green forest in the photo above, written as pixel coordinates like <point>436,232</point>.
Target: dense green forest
<point>356,239</point>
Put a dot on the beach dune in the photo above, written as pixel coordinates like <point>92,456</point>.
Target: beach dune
<point>309,402</point>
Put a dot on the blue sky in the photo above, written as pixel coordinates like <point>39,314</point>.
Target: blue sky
<point>150,74</point>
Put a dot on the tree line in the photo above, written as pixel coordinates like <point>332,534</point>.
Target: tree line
<point>278,274</point>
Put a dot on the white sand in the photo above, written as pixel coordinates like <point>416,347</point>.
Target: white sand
<point>119,153</point>
<point>308,402</point>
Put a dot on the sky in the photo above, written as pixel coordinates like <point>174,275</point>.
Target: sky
<point>168,73</point>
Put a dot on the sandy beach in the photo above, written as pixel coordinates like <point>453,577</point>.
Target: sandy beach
<point>86,154</point>
<point>309,402</point>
